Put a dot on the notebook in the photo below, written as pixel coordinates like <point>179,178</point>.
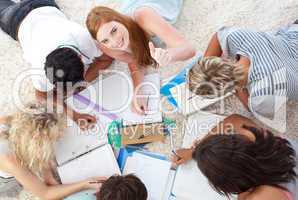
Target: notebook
<point>154,172</point>
<point>76,142</point>
<point>113,95</point>
<point>190,183</point>
<point>98,162</point>
<point>188,102</point>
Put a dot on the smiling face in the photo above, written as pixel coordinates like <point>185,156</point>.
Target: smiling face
<point>113,35</point>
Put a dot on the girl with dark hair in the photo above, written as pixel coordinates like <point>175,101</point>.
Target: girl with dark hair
<point>238,158</point>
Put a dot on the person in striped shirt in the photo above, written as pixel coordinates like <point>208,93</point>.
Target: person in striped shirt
<point>262,67</point>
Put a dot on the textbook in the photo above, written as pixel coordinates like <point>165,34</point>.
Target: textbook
<point>111,96</point>
<point>190,183</point>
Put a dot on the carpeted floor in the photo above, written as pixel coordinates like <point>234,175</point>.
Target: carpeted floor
<point>198,21</point>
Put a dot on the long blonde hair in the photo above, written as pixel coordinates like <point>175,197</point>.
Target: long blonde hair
<point>32,135</point>
<point>214,76</point>
<point>139,39</point>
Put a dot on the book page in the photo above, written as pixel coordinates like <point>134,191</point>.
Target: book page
<point>188,102</point>
<point>153,172</point>
<point>197,186</point>
<point>99,162</point>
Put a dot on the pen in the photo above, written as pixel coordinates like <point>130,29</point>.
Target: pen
<point>94,182</point>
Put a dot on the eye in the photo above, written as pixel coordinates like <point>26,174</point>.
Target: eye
<point>114,30</point>
<point>105,41</point>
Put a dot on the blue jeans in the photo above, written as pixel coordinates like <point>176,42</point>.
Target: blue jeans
<point>12,14</point>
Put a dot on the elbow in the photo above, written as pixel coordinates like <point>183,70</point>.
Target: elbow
<point>47,196</point>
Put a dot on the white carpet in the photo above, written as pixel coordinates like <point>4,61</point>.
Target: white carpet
<point>198,21</point>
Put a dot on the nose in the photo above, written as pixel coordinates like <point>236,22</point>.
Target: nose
<point>116,40</point>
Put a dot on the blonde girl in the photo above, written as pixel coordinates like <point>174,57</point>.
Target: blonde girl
<point>26,153</point>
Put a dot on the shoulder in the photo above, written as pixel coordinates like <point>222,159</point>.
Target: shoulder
<point>267,192</point>
<point>142,14</point>
<point>8,163</point>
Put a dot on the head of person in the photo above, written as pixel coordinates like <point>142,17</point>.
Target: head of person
<point>234,164</point>
<point>213,77</point>
<point>32,134</point>
<point>64,68</point>
<point>116,31</point>
<point>127,187</point>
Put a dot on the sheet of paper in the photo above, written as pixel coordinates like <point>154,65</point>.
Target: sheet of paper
<point>83,195</point>
<point>188,102</point>
<point>149,170</point>
<point>76,142</point>
<point>98,162</point>
<point>190,183</point>
<point>115,92</point>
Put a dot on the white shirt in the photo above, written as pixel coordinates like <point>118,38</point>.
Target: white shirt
<point>45,29</point>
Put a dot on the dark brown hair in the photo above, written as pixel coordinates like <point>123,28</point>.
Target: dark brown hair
<point>233,164</point>
<point>127,187</point>
<point>139,39</point>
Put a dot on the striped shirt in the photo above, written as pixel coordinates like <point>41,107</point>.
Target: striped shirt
<point>273,73</point>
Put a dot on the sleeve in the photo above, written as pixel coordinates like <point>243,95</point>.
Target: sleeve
<point>267,106</point>
<point>86,44</point>
<point>231,40</point>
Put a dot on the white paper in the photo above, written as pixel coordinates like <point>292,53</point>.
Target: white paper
<point>188,102</point>
<point>99,162</point>
<point>190,183</point>
<point>115,92</point>
<point>153,172</point>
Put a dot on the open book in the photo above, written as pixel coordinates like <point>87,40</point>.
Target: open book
<point>100,162</point>
<point>111,97</point>
<point>188,102</point>
<point>190,183</point>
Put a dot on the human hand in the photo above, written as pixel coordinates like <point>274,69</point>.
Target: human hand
<point>139,105</point>
<point>185,155</point>
<point>161,56</point>
<point>94,183</point>
<point>84,121</point>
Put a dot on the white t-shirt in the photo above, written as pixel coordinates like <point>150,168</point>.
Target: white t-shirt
<point>45,29</point>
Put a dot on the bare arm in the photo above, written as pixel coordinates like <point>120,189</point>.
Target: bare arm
<point>178,47</point>
<point>214,48</point>
<point>33,184</point>
<point>57,100</point>
<point>99,64</point>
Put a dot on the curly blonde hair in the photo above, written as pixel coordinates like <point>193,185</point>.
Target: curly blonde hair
<point>212,76</point>
<point>32,135</point>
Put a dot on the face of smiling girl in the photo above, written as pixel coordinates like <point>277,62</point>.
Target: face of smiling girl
<point>113,35</point>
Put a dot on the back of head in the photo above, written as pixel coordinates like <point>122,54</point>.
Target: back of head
<point>127,187</point>
<point>32,135</point>
<point>213,77</point>
<point>64,65</point>
<point>139,39</point>
<point>234,164</point>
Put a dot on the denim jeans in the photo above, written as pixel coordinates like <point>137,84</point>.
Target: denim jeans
<point>12,14</point>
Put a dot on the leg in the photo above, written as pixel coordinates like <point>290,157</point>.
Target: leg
<point>5,4</point>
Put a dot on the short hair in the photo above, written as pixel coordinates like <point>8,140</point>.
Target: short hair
<point>127,187</point>
<point>234,164</point>
<point>214,76</point>
<point>64,65</point>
